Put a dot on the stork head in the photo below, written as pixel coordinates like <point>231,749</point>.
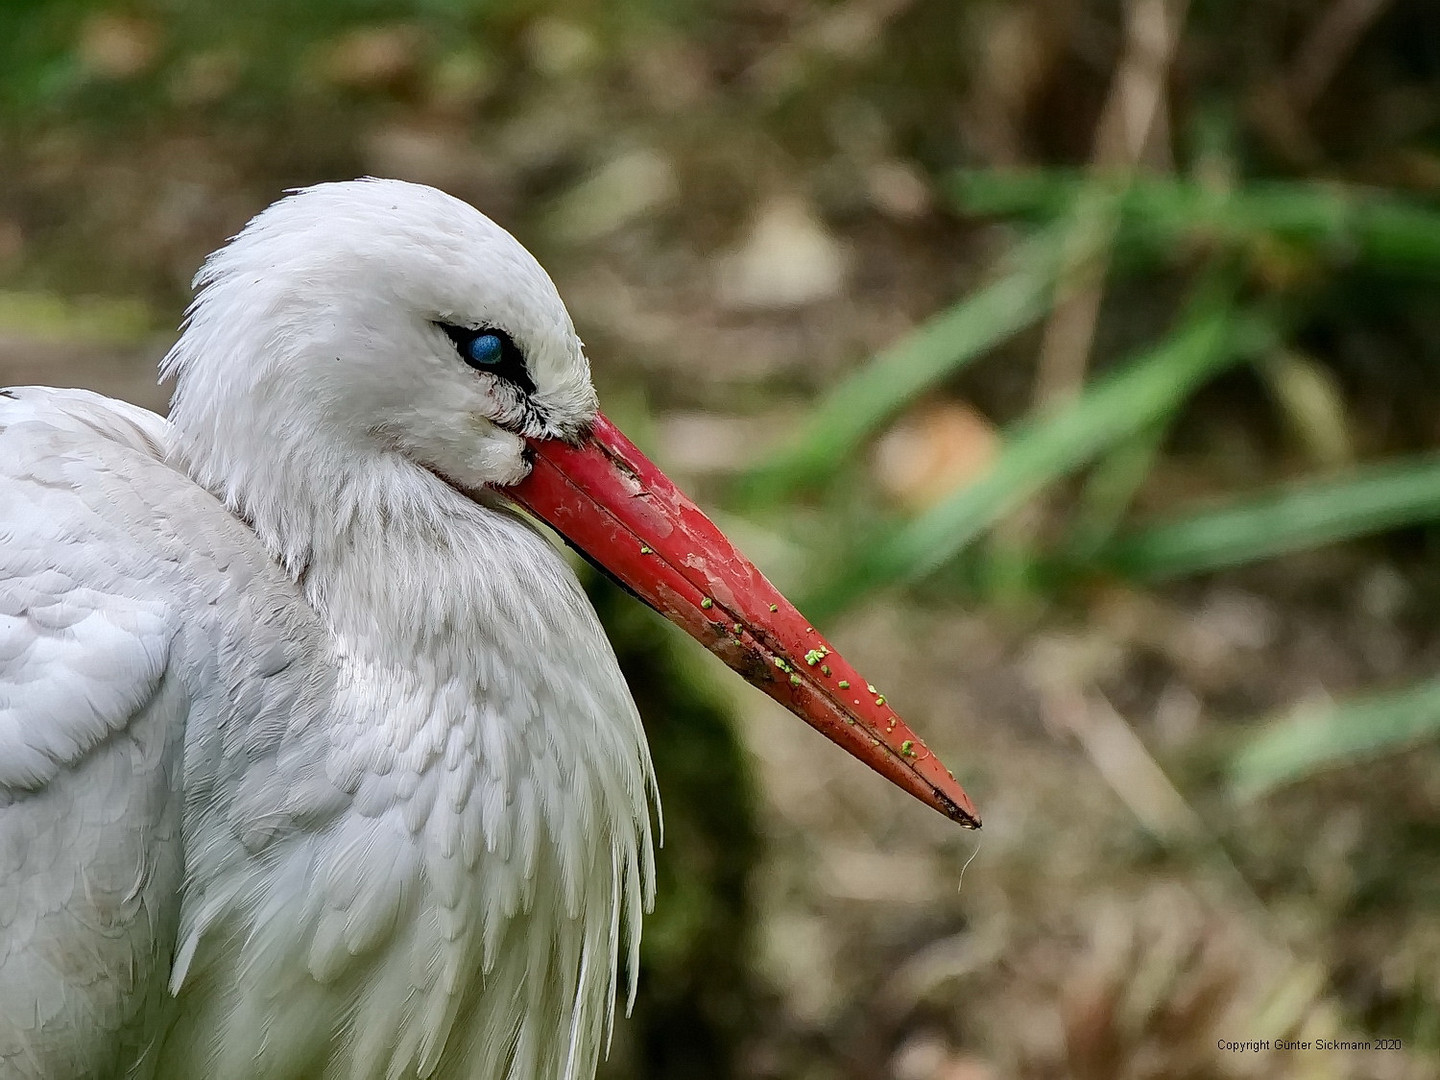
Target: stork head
<point>376,320</point>
<point>389,316</point>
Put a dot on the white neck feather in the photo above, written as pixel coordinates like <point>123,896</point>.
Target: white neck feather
<point>415,579</point>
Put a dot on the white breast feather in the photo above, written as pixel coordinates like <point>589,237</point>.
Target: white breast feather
<point>405,856</point>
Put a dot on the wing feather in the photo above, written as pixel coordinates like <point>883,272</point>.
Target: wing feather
<point>384,872</point>
<point>91,724</point>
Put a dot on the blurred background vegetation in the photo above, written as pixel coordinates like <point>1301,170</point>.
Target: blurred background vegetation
<point>1078,363</point>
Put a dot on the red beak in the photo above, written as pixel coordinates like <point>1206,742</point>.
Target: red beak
<point>612,504</point>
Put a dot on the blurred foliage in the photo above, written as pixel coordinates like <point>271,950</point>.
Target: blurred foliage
<point>102,62</point>
<point>1287,246</point>
<point>1316,738</point>
<point>1372,499</point>
<point>46,316</point>
<point>1109,412</point>
<point>698,994</point>
<point>859,406</point>
<point>1321,230</point>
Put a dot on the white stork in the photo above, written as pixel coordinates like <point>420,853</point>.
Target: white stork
<point>314,760</point>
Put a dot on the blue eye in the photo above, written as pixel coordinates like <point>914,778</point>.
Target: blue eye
<point>485,350</point>
<point>491,350</point>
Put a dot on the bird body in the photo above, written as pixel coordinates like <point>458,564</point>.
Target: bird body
<point>410,780</point>
<point>314,759</point>
<point>91,726</point>
<point>384,801</point>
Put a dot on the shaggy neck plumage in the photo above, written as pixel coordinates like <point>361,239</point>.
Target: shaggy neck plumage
<point>477,708</point>
<point>249,429</point>
<point>408,572</point>
<point>364,530</point>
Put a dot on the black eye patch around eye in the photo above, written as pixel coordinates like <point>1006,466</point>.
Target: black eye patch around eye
<point>490,350</point>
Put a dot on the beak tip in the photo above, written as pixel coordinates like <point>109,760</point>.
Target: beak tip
<point>968,819</point>
<point>956,805</point>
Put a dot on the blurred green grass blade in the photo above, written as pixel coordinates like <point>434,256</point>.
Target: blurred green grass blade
<point>97,320</point>
<point>1109,491</point>
<point>1168,214</point>
<point>1370,500</point>
<point>860,404</point>
<point>1312,739</point>
<point>1114,408</point>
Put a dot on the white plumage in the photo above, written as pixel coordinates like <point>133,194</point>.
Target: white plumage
<point>314,760</point>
